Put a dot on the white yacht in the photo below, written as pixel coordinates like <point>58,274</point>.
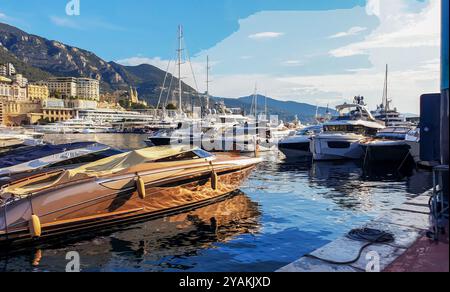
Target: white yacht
<point>340,137</point>
<point>298,146</point>
<point>13,138</point>
<point>75,126</point>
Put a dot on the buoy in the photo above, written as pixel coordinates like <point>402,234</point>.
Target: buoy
<point>35,226</point>
<point>214,180</point>
<point>140,186</point>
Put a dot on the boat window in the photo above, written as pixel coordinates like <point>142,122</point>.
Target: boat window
<point>356,129</point>
<point>339,145</point>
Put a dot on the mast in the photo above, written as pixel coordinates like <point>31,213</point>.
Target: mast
<point>207,82</point>
<point>256,100</point>
<point>180,56</point>
<point>265,106</point>
<point>385,92</point>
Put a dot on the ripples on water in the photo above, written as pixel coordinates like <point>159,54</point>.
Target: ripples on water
<point>285,210</point>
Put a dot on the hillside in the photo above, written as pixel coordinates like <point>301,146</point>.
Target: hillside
<point>50,57</point>
<point>286,110</point>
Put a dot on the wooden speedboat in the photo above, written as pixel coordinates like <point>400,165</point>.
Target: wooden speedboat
<point>122,188</point>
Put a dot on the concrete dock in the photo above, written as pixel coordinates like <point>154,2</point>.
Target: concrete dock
<point>408,223</point>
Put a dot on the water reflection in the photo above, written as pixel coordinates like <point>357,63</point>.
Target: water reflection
<point>288,210</point>
<point>150,246</point>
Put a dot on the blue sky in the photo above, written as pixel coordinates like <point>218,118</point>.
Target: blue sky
<point>321,51</point>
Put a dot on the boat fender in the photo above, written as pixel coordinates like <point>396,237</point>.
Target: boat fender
<point>35,226</point>
<point>140,186</point>
<point>214,180</point>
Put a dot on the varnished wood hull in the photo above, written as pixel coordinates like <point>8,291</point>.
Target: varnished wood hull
<point>97,203</point>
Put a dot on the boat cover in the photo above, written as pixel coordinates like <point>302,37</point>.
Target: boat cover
<point>26,154</point>
<point>53,159</point>
<point>106,166</point>
<point>127,160</point>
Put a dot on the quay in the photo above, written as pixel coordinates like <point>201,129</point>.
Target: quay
<point>411,251</point>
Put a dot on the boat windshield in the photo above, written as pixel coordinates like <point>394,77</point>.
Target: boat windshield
<point>356,129</point>
<point>352,112</point>
<point>310,131</point>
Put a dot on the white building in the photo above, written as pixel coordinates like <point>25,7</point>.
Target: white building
<point>70,87</point>
<point>88,89</point>
<point>64,87</point>
<point>7,69</point>
<point>20,80</point>
<point>11,91</point>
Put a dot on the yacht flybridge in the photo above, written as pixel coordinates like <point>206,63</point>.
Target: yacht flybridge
<point>140,184</point>
<point>341,136</point>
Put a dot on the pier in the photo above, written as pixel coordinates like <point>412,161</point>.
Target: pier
<point>408,223</point>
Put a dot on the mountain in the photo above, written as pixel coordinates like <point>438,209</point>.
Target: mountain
<point>31,72</point>
<point>39,58</point>
<point>286,110</point>
<point>53,58</point>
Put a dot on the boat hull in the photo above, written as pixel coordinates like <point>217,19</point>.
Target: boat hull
<point>97,203</point>
<point>296,149</point>
<point>385,151</point>
<point>336,147</point>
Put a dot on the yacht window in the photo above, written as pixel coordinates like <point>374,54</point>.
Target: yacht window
<point>339,145</point>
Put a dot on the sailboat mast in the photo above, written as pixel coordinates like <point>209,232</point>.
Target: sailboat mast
<point>256,101</point>
<point>207,82</point>
<point>386,89</point>
<point>180,56</point>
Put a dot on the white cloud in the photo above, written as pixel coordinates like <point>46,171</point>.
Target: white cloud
<point>266,35</point>
<point>3,15</point>
<point>398,28</point>
<point>299,67</point>
<point>64,22</point>
<point>84,24</point>
<point>292,63</point>
<point>351,32</point>
<point>373,7</point>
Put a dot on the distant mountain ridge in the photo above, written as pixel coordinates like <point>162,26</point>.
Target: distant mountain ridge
<point>286,110</point>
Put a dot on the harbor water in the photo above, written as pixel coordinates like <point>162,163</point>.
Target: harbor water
<point>284,211</point>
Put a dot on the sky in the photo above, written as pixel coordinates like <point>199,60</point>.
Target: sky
<point>320,52</point>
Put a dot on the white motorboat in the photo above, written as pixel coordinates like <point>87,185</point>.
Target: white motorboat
<point>341,136</point>
<point>298,146</point>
